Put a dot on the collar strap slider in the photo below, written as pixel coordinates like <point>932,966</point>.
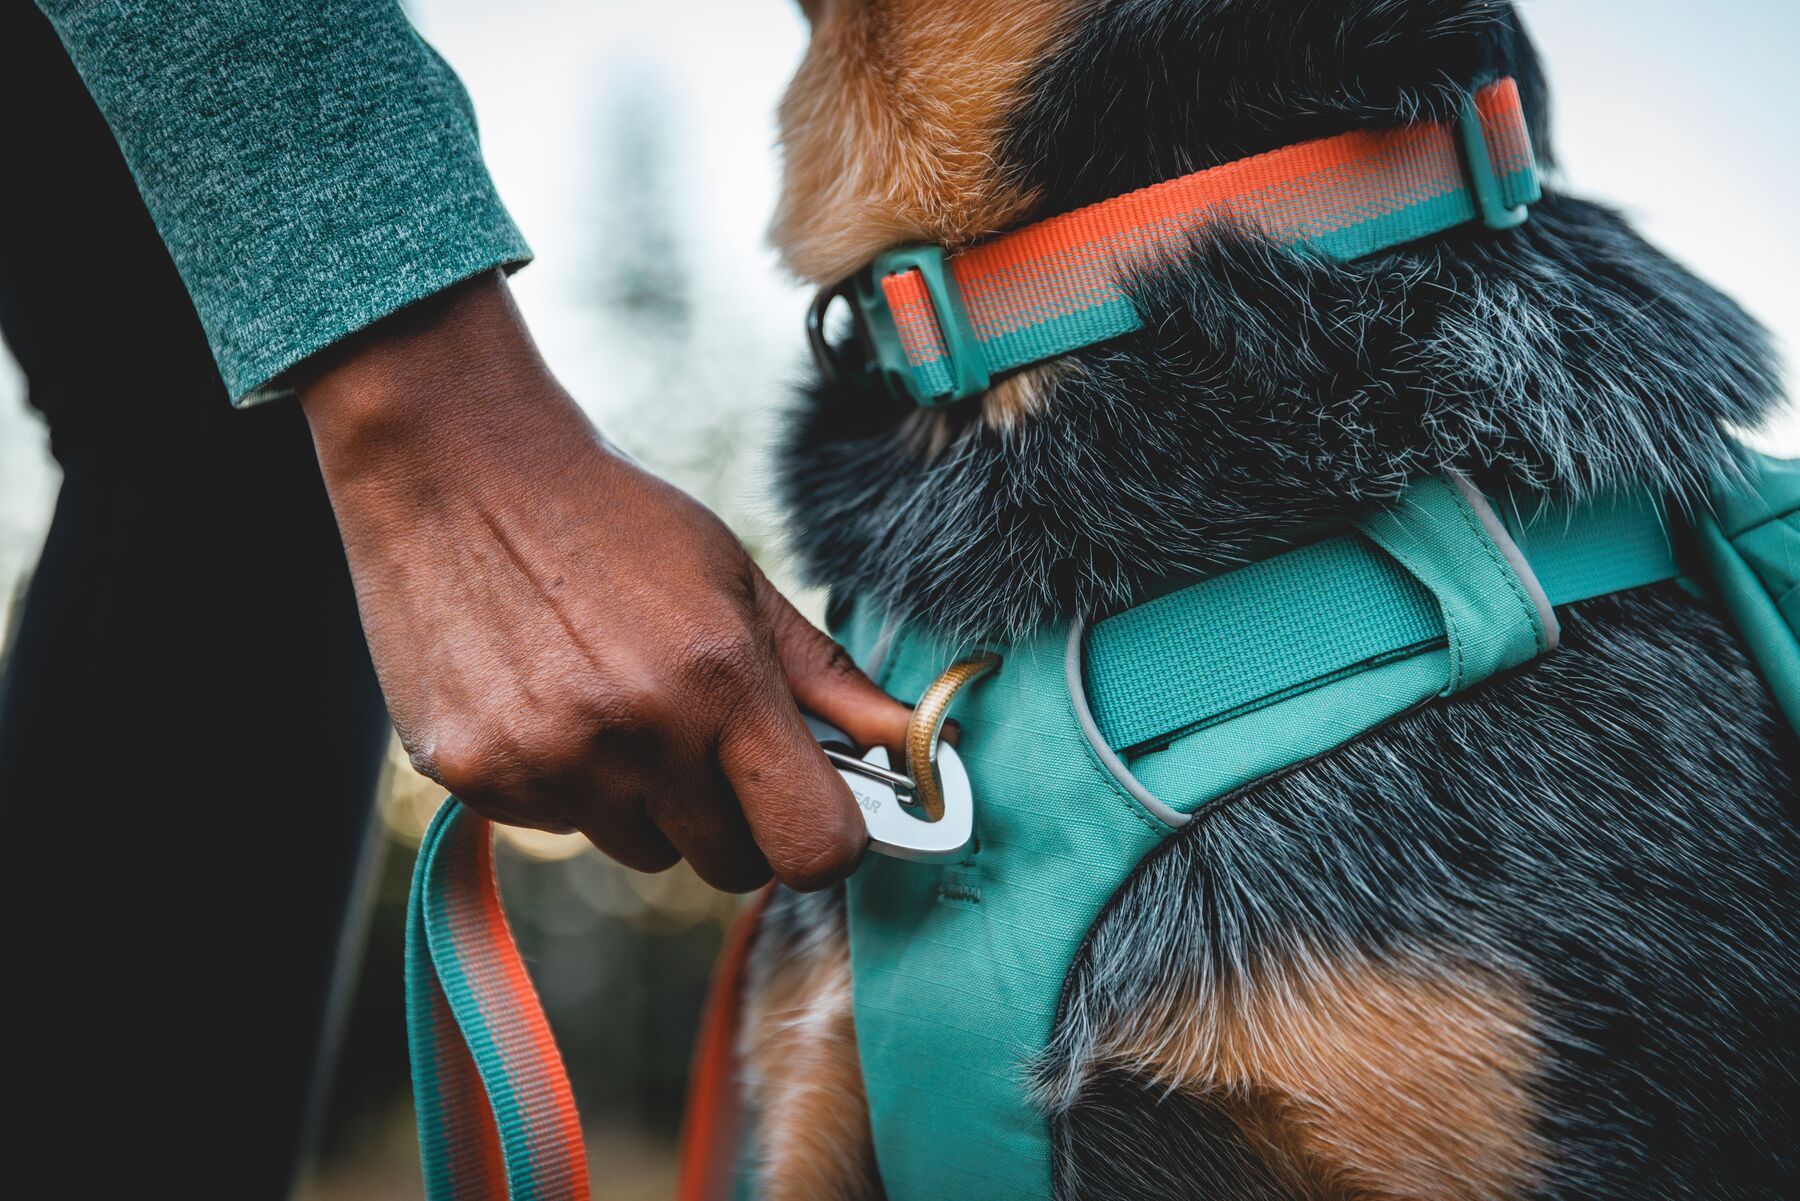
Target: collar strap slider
<point>1491,200</point>
<point>882,333</point>
<point>933,329</point>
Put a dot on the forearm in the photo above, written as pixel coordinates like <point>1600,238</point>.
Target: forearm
<point>564,640</point>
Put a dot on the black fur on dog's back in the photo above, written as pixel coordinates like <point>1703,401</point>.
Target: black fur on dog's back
<point>1267,391</point>
<point>1552,917</point>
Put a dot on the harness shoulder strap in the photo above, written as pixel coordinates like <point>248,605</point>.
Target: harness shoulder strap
<point>1441,569</point>
<point>1750,543</point>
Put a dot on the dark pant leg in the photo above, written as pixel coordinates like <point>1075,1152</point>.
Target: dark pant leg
<point>190,735</point>
<point>190,730</point>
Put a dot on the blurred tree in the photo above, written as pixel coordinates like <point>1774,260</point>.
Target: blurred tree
<point>639,266</point>
<point>680,402</point>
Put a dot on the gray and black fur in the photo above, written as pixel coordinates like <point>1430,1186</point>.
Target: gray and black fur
<point>1607,825</point>
<point>1267,391</point>
<point>1613,825</point>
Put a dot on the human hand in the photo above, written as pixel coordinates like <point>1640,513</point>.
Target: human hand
<point>565,641</point>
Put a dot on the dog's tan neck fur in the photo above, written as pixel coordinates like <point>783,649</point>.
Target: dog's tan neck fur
<point>891,129</point>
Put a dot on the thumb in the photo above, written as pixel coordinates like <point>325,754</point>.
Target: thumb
<point>824,680</point>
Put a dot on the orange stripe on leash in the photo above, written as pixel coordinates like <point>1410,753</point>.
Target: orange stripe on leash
<point>714,1116</point>
<point>515,1017</point>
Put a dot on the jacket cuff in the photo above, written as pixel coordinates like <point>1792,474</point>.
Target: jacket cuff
<point>312,168</point>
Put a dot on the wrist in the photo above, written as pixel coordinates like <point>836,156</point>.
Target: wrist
<point>455,360</point>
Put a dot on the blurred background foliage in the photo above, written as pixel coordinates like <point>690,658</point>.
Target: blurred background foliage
<point>634,144</point>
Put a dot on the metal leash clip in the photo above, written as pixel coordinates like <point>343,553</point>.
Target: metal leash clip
<point>928,816</point>
<point>890,802</point>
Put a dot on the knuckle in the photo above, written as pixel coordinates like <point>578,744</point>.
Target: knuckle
<point>509,758</point>
<point>508,772</point>
<point>635,723</point>
<point>836,662</point>
<point>823,865</point>
<point>722,659</point>
<point>544,754</point>
<point>423,759</point>
<point>829,852</point>
<point>459,762</point>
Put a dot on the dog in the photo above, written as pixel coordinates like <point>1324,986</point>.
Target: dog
<point>1537,940</point>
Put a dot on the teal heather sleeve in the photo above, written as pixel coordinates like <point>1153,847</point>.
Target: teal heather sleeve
<point>312,166</point>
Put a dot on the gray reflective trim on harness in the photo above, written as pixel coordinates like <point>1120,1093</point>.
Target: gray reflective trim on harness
<point>1084,718</point>
<point>1490,524</point>
<point>1497,532</point>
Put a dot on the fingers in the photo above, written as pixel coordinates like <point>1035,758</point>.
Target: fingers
<point>652,762</point>
<point>823,678</point>
<point>633,840</point>
<point>706,743</point>
<point>695,809</point>
<point>799,808</point>
<point>530,777</point>
<point>690,747</point>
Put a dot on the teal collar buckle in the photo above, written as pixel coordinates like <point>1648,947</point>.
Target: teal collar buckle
<point>1497,211</point>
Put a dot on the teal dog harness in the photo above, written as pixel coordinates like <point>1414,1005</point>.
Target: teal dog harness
<point>1089,746</point>
<point>1096,740</point>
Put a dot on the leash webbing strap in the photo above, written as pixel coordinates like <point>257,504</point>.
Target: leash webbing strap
<point>1057,285</point>
<point>496,1116</point>
<point>497,1120</point>
<point>713,1123</point>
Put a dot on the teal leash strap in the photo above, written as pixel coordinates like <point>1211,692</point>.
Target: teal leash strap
<point>496,1117</point>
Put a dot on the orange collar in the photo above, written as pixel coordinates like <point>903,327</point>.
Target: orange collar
<point>936,328</point>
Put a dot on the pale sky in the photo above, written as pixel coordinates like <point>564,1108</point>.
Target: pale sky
<point>1681,113</point>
